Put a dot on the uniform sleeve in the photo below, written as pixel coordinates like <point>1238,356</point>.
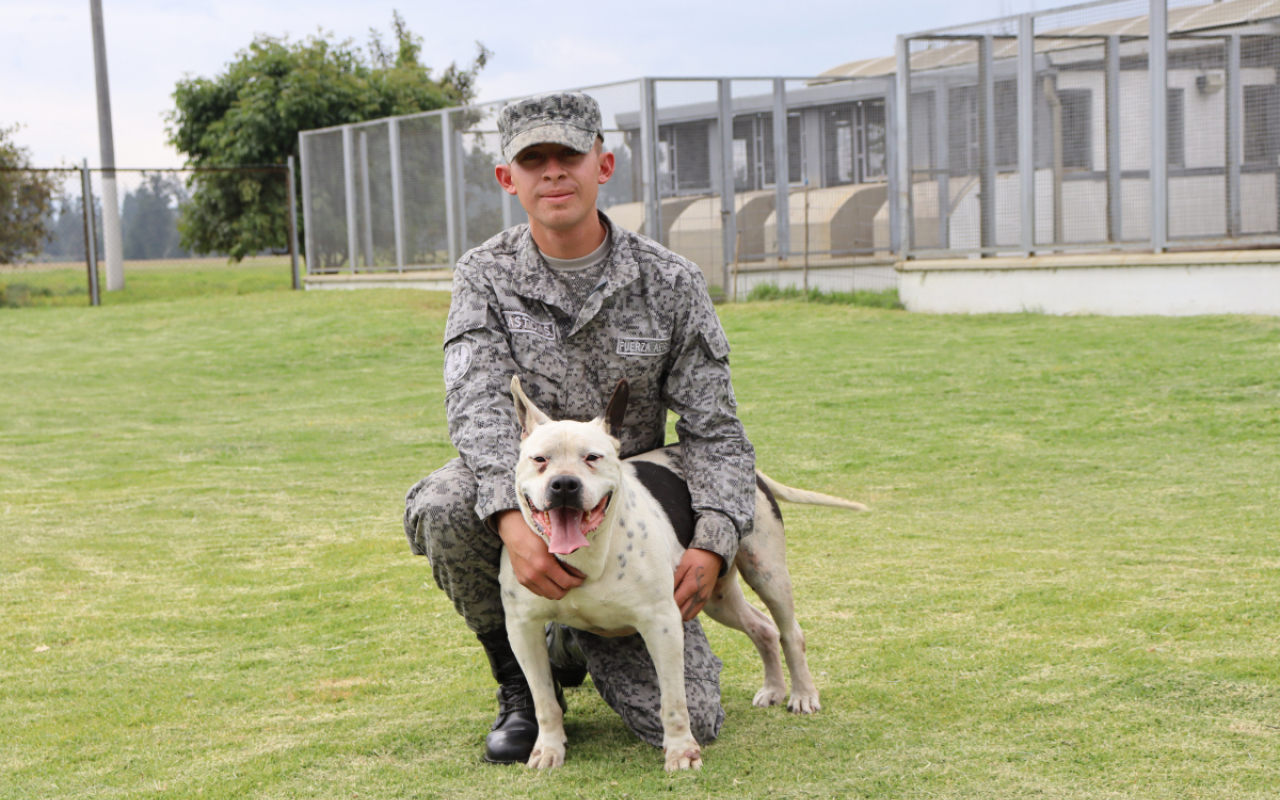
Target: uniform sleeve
<point>719,461</point>
<point>477,375</point>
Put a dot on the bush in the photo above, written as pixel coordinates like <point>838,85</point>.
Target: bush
<point>769,291</point>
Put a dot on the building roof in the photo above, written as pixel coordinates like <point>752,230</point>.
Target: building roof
<point>1229,14</point>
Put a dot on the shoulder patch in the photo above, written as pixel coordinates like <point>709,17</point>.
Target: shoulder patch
<point>457,363</point>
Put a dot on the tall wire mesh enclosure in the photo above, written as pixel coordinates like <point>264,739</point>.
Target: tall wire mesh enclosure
<point>1126,125</point>
<point>703,166</point>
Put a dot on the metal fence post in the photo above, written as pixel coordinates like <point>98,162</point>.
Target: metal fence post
<point>1157,63</point>
<point>460,188</point>
<point>1026,131</point>
<point>1115,214</point>
<point>90,235</point>
<point>987,142</point>
<point>942,159</point>
<point>900,195</point>
<point>1235,135</point>
<point>650,191</point>
<point>349,190</point>
<point>450,190</point>
<point>308,219</point>
<point>728,217</point>
<point>781,170</point>
<point>397,190</point>
<point>293,223</point>
<point>366,197</point>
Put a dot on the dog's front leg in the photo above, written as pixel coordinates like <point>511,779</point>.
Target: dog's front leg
<point>663,635</point>
<point>528,642</point>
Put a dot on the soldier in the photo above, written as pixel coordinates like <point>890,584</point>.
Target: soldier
<point>571,303</point>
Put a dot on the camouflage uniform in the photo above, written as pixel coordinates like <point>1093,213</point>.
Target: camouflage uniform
<point>650,320</point>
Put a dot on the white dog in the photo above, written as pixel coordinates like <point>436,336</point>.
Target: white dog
<point>581,498</point>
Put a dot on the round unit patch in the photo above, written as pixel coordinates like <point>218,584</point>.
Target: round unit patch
<point>457,362</point>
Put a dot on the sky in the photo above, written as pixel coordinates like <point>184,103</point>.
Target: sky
<point>46,50</point>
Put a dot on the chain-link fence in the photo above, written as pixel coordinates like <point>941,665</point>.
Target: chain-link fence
<point>152,205</point>
<point>1124,124</point>
<point>703,166</point>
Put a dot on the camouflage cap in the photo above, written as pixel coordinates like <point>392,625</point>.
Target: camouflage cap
<point>568,118</point>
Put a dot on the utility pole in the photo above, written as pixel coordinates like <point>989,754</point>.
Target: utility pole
<point>111,238</point>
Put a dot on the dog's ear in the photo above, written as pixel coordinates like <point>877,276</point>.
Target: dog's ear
<point>529,415</point>
<point>617,408</point>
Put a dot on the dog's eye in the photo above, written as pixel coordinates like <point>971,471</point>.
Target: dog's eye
<point>540,459</point>
<point>592,457</point>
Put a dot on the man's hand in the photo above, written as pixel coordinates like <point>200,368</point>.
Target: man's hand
<point>536,569</point>
<point>695,578</point>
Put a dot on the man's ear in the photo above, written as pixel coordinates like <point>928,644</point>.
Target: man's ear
<point>503,173</point>
<point>529,415</point>
<point>608,163</point>
<point>614,413</point>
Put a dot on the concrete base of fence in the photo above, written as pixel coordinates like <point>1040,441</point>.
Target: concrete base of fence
<point>436,280</point>
<point>873,275</point>
<point>1115,284</point>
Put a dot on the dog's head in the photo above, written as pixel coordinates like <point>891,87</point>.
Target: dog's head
<point>568,471</point>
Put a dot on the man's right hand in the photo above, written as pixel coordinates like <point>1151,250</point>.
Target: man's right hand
<point>536,568</point>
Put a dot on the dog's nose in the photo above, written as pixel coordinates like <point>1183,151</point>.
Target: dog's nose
<point>564,490</point>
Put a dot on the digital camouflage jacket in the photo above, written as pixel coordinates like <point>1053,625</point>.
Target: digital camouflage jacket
<point>649,319</point>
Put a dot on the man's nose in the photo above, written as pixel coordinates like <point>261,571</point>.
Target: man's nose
<point>554,168</point>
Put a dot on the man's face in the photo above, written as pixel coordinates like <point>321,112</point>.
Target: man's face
<point>557,185</point>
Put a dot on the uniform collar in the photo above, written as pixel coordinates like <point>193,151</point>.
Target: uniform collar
<point>533,278</point>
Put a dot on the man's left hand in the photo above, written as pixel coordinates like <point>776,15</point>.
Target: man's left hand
<point>695,578</point>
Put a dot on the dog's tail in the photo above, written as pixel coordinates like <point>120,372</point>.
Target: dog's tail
<point>793,495</point>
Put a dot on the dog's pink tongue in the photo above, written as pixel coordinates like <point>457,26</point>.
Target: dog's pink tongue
<point>566,531</point>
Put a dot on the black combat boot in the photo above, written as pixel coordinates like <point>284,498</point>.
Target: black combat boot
<point>514,732</point>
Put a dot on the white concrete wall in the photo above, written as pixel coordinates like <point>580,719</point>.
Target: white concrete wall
<point>1171,284</point>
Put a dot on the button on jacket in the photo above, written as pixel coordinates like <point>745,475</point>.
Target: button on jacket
<point>649,319</point>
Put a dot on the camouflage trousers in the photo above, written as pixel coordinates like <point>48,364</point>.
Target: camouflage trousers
<point>441,524</point>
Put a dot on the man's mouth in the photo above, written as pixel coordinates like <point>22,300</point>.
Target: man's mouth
<point>566,527</point>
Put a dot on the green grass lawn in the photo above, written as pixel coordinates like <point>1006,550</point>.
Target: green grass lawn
<point>1069,586</point>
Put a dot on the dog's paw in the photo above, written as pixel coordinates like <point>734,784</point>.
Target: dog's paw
<point>769,696</point>
<point>804,703</point>
<point>687,757</point>
<point>546,756</point>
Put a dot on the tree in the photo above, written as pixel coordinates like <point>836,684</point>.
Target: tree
<point>252,113</point>
<point>25,201</point>
<point>150,218</point>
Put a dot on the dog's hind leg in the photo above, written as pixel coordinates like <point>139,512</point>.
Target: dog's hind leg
<point>729,606</point>
<point>762,559</point>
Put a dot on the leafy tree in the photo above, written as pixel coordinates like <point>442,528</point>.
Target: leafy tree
<point>252,113</point>
<point>25,201</point>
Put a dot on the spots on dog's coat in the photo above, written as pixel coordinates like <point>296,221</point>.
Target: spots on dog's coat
<point>773,502</point>
<point>672,494</point>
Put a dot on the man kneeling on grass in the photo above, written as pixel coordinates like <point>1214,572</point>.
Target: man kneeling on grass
<point>571,303</point>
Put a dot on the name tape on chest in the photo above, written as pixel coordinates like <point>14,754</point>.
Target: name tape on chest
<point>636,346</point>
<point>518,322</point>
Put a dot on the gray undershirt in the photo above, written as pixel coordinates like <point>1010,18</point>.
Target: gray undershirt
<point>579,277</point>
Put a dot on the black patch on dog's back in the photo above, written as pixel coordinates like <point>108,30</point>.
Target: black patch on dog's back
<point>773,501</point>
<point>673,493</point>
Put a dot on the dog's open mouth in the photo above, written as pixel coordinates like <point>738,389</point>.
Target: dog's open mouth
<point>566,527</point>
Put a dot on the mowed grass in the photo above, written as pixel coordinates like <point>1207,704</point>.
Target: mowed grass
<point>57,285</point>
<point>1068,587</point>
